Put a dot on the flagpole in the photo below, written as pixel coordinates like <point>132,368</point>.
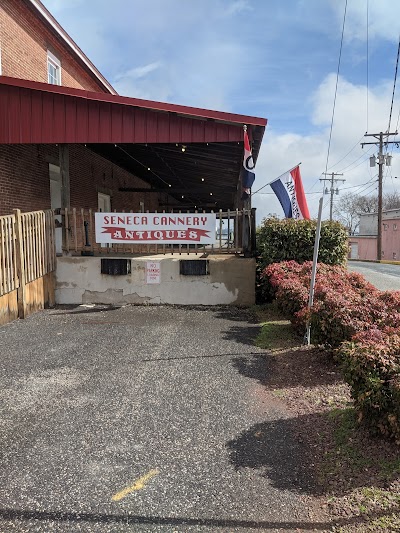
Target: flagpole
<point>269,183</point>
<point>307,336</point>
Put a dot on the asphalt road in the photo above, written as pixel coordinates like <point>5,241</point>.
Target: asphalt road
<point>143,419</point>
<point>382,276</point>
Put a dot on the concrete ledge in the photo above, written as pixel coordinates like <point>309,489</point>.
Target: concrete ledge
<point>231,281</point>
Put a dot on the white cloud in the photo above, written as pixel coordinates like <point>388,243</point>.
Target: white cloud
<point>138,72</point>
<point>281,152</point>
<point>238,7</point>
<point>382,15</point>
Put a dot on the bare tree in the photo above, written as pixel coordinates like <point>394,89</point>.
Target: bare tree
<point>391,200</point>
<point>350,206</point>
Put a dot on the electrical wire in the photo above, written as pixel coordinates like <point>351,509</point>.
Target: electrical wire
<point>142,164</point>
<point>348,153</point>
<point>355,161</point>
<point>337,82</point>
<point>394,85</point>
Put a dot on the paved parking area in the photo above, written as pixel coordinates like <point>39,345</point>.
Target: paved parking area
<point>385,277</point>
<point>142,419</point>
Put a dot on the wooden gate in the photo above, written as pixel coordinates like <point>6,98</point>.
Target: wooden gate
<point>27,263</point>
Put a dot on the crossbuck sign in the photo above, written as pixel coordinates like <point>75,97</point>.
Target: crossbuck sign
<point>156,228</point>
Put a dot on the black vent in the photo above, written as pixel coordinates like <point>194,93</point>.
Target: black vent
<point>116,267</point>
<point>193,267</point>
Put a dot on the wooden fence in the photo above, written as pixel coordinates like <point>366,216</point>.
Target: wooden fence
<point>235,234</point>
<point>27,263</point>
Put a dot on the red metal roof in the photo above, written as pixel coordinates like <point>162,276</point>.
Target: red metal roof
<point>33,112</point>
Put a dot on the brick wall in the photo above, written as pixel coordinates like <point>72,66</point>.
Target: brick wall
<point>24,43</point>
<point>24,179</point>
<point>91,173</point>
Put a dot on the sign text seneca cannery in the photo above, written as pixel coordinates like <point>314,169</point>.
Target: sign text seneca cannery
<point>155,228</point>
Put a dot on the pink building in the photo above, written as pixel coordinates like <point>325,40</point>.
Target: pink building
<point>364,245</point>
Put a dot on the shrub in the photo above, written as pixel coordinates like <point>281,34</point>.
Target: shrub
<point>293,240</point>
<point>289,239</point>
<point>344,303</point>
<point>362,322</point>
<point>371,366</point>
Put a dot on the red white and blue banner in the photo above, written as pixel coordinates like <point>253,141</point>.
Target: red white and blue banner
<point>248,174</point>
<point>290,192</point>
<point>155,228</point>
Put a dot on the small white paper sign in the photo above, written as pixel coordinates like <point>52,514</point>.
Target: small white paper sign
<point>153,272</point>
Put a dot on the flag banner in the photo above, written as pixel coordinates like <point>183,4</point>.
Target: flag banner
<point>289,190</point>
<point>248,174</point>
<point>155,228</point>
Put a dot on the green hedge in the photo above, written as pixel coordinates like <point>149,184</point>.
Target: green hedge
<point>293,240</point>
<point>289,239</point>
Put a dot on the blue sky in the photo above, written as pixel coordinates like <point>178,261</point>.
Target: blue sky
<point>270,58</point>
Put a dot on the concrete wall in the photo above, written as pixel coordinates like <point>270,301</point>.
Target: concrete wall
<point>368,224</point>
<point>369,221</point>
<point>231,281</point>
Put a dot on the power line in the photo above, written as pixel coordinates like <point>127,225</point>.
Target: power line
<point>358,158</point>
<point>394,85</point>
<point>337,82</point>
<point>356,186</point>
<point>348,153</point>
<point>333,181</point>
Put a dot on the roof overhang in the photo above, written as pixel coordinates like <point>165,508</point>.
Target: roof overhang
<point>194,154</point>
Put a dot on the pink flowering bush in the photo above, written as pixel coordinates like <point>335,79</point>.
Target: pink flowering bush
<point>371,366</point>
<point>344,302</point>
<point>361,322</point>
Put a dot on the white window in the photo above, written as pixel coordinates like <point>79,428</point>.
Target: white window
<point>53,69</point>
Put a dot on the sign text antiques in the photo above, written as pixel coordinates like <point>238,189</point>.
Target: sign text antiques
<point>156,228</point>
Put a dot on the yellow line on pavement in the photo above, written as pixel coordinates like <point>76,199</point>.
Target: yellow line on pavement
<point>139,484</point>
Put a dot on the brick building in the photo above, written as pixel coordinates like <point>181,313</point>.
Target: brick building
<point>68,140</point>
<point>35,47</point>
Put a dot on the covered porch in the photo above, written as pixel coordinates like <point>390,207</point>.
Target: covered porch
<point>115,154</point>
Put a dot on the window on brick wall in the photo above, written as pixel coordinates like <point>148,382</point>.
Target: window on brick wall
<point>53,69</point>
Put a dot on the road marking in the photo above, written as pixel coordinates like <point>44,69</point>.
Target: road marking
<point>138,485</point>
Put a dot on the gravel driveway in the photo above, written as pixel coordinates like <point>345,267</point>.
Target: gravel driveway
<point>143,419</point>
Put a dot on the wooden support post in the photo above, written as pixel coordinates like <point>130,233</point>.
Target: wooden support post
<point>64,172</point>
<point>246,227</point>
<point>63,150</point>
<point>20,263</point>
<point>253,233</point>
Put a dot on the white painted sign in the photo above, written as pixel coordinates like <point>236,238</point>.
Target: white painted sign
<point>155,228</point>
<point>153,272</point>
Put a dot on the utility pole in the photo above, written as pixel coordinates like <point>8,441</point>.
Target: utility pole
<point>333,180</point>
<point>381,161</point>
